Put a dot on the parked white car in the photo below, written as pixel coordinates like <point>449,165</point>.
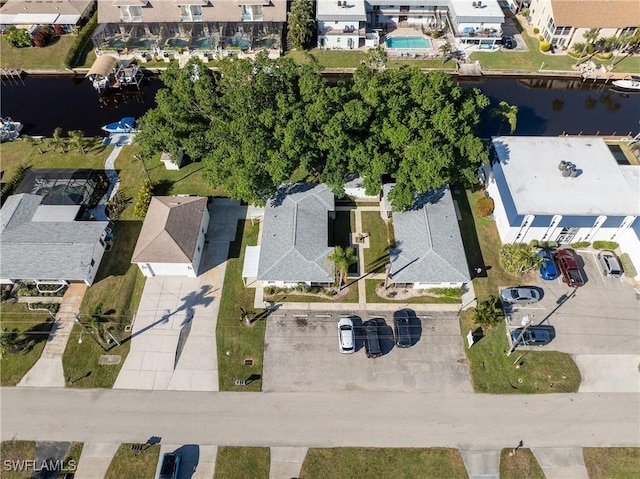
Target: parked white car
<point>346,337</point>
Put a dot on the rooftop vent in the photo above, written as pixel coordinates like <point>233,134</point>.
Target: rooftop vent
<point>569,169</point>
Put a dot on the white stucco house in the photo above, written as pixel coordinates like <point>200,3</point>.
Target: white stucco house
<point>295,237</point>
<point>44,243</point>
<point>564,190</point>
<point>172,238</point>
<point>341,24</point>
<point>428,251</point>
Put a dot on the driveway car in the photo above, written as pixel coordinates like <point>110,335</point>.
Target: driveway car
<point>548,268</point>
<point>521,295</point>
<point>568,265</point>
<point>509,43</point>
<point>402,328</point>
<point>169,467</point>
<point>610,264</point>
<point>533,336</point>
<point>346,339</point>
<point>371,339</point>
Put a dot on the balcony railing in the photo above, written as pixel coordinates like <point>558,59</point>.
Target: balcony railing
<point>342,31</point>
<point>191,18</point>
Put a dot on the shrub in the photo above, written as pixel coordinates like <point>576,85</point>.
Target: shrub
<point>534,243</point>
<point>536,30</point>
<point>83,36</point>
<point>627,266</point>
<point>518,258</point>
<point>545,46</point>
<point>580,244</point>
<point>58,29</point>
<point>15,180</point>
<point>42,37</point>
<point>18,38</point>
<point>143,199</point>
<point>548,244</point>
<point>447,292</point>
<point>484,206</point>
<point>541,38</point>
<point>605,245</point>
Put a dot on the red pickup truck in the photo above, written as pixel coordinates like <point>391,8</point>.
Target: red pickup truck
<point>567,263</point>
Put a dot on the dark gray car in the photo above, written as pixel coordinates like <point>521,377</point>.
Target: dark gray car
<point>371,339</point>
<point>402,328</point>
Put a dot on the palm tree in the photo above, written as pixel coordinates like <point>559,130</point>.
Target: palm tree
<point>57,141</point>
<point>76,139</point>
<point>507,112</point>
<point>487,312</point>
<point>342,258</point>
<point>37,142</point>
<point>445,48</point>
<point>300,23</point>
<point>590,37</point>
<point>141,158</point>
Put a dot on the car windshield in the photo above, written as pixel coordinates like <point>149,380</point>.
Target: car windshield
<point>515,293</point>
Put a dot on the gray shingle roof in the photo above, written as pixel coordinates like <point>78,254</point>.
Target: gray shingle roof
<point>428,244</point>
<point>295,235</point>
<point>170,230</point>
<point>44,249</point>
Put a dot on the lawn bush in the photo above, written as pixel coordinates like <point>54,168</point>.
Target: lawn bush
<point>541,38</point>
<point>42,37</point>
<point>605,245</point>
<point>627,266</point>
<point>143,199</point>
<point>18,38</point>
<point>580,244</point>
<point>545,46</point>
<point>83,36</point>
<point>518,258</point>
<point>484,206</point>
<point>534,243</point>
<point>447,292</point>
<point>536,30</point>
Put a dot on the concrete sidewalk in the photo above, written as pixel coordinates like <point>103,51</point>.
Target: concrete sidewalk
<point>95,459</point>
<point>561,462</point>
<point>482,464</point>
<point>286,462</point>
<point>48,371</point>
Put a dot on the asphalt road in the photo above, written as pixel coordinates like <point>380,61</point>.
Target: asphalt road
<point>350,418</point>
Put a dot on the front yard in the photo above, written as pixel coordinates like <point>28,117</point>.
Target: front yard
<point>245,462</point>
<point>128,462</point>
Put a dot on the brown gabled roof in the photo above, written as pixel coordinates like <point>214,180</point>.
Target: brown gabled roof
<point>170,230</point>
<point>596,13</point>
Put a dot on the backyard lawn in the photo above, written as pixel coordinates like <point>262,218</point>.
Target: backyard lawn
<point>129,463</point>
<point>377,255</point>
<point>236,341</point>
<point>365,463</point>
<point>521,464</point>
<point>612,462</point>
<point>524,372</point>
<point>245,462</point>
<point>31,330</point>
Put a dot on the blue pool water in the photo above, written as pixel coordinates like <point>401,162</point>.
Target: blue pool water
<point>238,42</point>
<point>408,42</point>
<point>204,43</point>
<point>177,42</point>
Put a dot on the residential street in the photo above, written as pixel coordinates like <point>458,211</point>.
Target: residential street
<point>354,418</point>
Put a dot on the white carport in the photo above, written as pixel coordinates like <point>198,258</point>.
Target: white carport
<point>250,265</point>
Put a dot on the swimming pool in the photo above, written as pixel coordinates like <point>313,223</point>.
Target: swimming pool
<point>408,42</point>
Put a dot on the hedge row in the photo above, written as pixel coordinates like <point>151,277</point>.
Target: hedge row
<point>14,181</point>
<point>81,40</point>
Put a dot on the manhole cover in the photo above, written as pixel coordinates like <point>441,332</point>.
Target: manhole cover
<point>107,359</point>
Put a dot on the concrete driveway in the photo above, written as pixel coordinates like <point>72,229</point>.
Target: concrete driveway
<point>301,354</point>
<point>173,342</point>
<point>598,323</point>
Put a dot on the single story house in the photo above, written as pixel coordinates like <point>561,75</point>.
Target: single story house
<point>42,243</point>
<point>31,13</point>
<point>295,238</point>
<point>561,189</point>
<point>428,251</point>
<point>172,238</point>
<point>563,22</point>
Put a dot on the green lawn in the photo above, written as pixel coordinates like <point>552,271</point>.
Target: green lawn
<point>17,451</point>
<point>524,372</point>
<point>482,246</point>
<point>366,463</point>
<point>612,462</point>
<point>138,464</point>
<point>377,255</point>
<point>523,464</point>
<point>31,332</point>
<point>236,342</point>
<point>244,462</point>
<point>49,57</point>
<point>73,456</point>
<point>372,296</point>
<point>329,58</point>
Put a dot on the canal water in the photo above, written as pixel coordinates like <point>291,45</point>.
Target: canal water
<point>545,106</point>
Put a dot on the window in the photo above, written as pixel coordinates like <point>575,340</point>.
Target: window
<point>562,31</point>
<point>550,24</point>
<point>628,31</point>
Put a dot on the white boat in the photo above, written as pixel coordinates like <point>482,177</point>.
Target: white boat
<point>9,129</point>
<point>632,83</point>
<point>125,125</point>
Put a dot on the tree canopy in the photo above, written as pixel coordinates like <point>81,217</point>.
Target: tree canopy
<point>254,123</point>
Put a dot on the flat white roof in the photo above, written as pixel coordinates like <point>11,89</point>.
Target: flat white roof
<point>353,10</point>
<point>465,8</point>
<point>602,187</point>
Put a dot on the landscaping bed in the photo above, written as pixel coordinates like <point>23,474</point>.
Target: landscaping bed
<point>377,294</point>
<point>312,294</point>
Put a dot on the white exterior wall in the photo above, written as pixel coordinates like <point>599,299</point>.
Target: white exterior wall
<point>499,213</point>
<point>436,285</point>
<point>167,269</point>
<point>337,38</point>
<point>480,26</point>
<point>197,257</point>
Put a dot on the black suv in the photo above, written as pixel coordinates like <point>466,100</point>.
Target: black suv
<point>402,328</point>
<point>371,339</point>
<point>169,467</point>
<point>509,43</point>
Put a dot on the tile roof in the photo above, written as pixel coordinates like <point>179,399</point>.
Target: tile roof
<point>295,235</point>
<point>596,13</point>
<point>170,230</point>
<point>59,7</point>
<point>44,249</point>
<point>428,245</point>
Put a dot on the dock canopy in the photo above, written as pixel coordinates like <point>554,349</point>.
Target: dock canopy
<point>103,66</point>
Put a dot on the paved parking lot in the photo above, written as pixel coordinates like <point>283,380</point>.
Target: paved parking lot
<point>599,323</point>
<point>301,354</point>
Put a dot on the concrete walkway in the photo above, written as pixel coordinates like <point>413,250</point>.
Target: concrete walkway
<point>99,212</point>
<point>48,371</point>
<point>482,464</point>
<point>95,459</point>
<point>286,462</point>
<point>561,462</point>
